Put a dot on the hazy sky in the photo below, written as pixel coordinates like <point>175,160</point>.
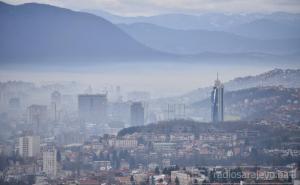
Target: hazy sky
<point>161,79</point>
<point>152,7</point>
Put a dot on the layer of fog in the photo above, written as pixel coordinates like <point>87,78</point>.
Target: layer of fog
<point>160,80</point>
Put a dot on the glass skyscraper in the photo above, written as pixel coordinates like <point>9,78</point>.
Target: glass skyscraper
<point>217,102</point>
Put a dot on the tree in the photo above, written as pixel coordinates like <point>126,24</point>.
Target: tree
<point>148,181</point>
<point>195,182</point>
<point>157,172</point>
<point>58,156</point>
<point>3,162</point>
<point>165,171</point>
<point>152,180</point>
<point>132,180</point>
<point>212,176</point>
<point>31,179</point>
<point>177,181</point>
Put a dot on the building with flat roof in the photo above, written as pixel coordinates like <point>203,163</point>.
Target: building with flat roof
<point>28,146</point>
<point>50,161</point>
<point>37,116</point>
<point>137,114</point>
<point>92,108</point>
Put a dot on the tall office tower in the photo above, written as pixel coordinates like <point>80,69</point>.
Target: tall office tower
<point>28,146</point>
<point>37,116</point>
<point>50,161</point>
<point>92,108</point>
<point>137,114</point>
<point>217,104</point>
<point>55,105</point>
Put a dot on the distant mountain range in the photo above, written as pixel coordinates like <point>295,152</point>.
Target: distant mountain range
<point>287,78</point>
<point>274,103</point>
<point>197,41</point>
<point>277,25</point>
<point>43,34</point>
<point>38,31</point>
<point>269,29</point>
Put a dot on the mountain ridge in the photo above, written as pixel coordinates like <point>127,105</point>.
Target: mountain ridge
<point>265,102</point>
<point>232,23</point>
<point>66,34</point>
<point>197,41</point>
<point>39,34</point>
<point>287,78</point>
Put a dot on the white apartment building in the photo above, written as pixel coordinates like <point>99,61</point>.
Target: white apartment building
<point>28,146</point>
<point>187,178</point>
<point>182,137</point>
<point>123,143</point>
<point>183,178</point>
<point>50,162</point>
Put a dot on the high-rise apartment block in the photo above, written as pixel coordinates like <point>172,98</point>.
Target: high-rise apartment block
<point>50,161</point>
<point>28,146</point>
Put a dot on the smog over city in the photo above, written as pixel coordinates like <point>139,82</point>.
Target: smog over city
<point>149,92</point>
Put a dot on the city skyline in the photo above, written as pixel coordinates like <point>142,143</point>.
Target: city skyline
<point>149,92</point>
